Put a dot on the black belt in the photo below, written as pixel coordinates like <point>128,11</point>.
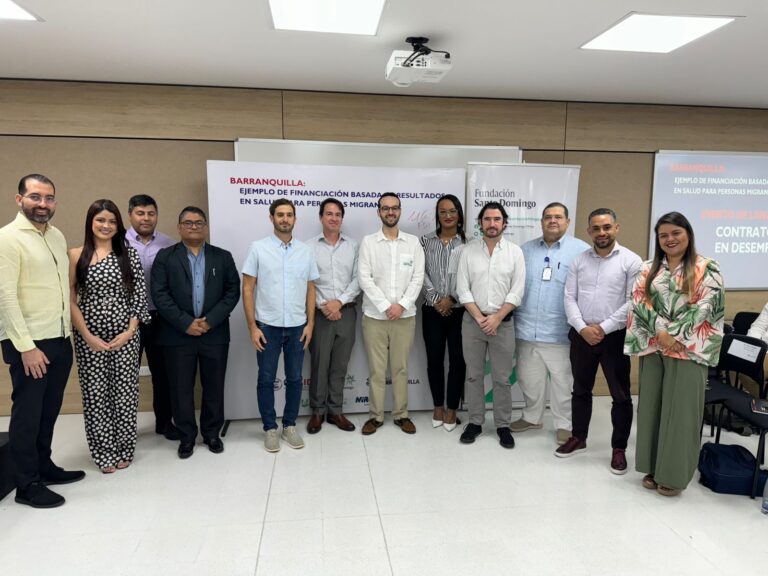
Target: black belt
<point>347,305</point>
<point>506,318</point>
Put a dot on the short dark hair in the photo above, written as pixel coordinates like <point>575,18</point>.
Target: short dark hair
<point>492,206</point>
<point>193,210</point>
<point>39,177</point>
<point>141,200</point>
<point>555,205</point>
<point>387,195</point>
<point>331,201</point>
<point>602,212</point>
<point>281,202</point>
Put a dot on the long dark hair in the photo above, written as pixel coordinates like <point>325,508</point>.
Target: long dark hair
<point>119,246</point>
<point>460,213</point>
<point>689,258</point>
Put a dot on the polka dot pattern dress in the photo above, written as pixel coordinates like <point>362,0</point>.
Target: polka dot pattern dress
<point>109,381</point>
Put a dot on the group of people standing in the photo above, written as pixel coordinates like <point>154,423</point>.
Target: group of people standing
<point>546,314</point>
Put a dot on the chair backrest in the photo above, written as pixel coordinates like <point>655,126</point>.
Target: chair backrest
<point>743,320</point>
<point>741,354</point>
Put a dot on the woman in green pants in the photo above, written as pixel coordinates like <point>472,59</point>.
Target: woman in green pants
<point>675,325</point>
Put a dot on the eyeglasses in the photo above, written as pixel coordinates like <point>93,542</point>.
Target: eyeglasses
<point>448,212</point>
<point>193,224</point>
<point>37,198</point>
<point>390,209</point>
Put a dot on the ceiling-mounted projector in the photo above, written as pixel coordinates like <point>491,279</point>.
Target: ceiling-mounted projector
<point>422,64</point>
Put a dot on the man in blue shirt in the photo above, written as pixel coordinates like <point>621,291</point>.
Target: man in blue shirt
<point>279,305</point>
<point>195,286</point>
<point>542,327</point>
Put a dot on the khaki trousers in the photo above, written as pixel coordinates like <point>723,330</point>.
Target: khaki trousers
<point>388,341</point>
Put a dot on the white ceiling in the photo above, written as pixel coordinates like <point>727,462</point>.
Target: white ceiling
<point>500,49</point>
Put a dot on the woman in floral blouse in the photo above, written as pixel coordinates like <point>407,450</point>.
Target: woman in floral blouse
<point>675,325</point>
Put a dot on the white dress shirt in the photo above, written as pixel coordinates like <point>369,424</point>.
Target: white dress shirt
<point>598,289</point>
<point>759,328</point>
<point>390,272</point>
<point>490,280</point>
<point>337,265</point>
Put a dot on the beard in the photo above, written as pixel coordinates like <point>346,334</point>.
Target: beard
<point>36,214</point>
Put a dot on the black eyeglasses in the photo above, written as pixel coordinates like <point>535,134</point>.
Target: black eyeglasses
<point>390,208</point>
<point>193,224</point>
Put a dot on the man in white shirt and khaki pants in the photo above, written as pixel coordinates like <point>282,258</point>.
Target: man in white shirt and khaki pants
<point>390,273</point>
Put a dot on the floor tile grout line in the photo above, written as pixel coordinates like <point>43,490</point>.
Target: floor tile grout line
<point>378,510</point>
<point>264,517</point>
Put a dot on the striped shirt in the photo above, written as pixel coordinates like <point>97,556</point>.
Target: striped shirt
<point>440,265</point>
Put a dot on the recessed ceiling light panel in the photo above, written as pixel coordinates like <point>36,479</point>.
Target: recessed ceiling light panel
<point>12,11</point>
<point>655,33</point>
<point>334,16</point>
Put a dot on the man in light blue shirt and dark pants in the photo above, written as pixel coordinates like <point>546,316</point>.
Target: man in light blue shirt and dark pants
<point>542,327</point>
<point>279,304</point>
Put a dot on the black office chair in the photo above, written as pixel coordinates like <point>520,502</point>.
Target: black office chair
<point>726,384</point>
<point>736,401</point>
<point>743,320</point>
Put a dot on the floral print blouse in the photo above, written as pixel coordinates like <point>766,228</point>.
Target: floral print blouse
<point>695,322</point>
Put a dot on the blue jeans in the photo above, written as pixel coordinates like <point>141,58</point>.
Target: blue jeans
<point>287,341</point>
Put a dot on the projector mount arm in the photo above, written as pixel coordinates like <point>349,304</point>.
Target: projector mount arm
<point>420,48</point>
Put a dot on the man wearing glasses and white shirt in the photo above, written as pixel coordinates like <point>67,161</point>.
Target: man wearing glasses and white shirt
<point>391,273</point>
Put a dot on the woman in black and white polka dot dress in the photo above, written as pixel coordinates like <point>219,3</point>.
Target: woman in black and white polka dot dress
<point>109,300</point>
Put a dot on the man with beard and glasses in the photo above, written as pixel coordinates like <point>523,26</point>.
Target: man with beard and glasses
<point>597,294</point>
<point>279,305</point>
<point>490,282</point>
<point>542,327</point>
<point>35,330</point>
<point>391,273</point>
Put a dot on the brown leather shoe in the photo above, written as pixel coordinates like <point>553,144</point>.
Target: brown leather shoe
<point>340,421</point>
<point>370,426</point>
<point>315,423</point>
<point>406,425</point>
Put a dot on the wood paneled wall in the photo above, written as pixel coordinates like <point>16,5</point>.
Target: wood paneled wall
<point>115,140</point>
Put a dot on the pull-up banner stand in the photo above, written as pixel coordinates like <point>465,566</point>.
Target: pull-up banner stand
<point>239,194</point>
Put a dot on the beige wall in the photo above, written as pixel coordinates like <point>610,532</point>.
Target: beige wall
<point>115,140</point>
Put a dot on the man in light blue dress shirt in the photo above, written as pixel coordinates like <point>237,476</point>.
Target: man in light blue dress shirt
<point>542,327</point>
<point>337,289</point>
<point>279,304</point>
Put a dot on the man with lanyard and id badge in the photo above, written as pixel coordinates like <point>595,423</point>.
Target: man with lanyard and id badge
<point>543,348</point>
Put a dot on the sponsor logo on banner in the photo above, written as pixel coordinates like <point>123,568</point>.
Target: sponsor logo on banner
<point>349,382</point>
<point>361,399</point>
<point>278,384</point>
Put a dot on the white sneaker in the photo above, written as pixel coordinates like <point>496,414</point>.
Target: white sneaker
<point>292,437</point>
<point>271,441</point>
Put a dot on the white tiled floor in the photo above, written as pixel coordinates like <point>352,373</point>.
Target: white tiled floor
<point>387,504</point>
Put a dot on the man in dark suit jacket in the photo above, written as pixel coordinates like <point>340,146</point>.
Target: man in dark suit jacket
<point>195,286</point>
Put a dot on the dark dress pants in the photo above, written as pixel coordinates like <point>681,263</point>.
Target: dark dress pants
<point>161,388</point>
<point>181,363</point>
<point>36,406</point>
<point>609,354</point>
<point>438,331</point>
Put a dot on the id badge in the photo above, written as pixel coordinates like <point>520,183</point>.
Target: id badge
<point>546,274</point>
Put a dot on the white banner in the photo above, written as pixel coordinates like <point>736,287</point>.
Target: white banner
<point>239,194</point>
<point>523,190</point>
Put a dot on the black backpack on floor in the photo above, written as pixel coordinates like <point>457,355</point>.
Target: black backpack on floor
<point>728,469</point>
